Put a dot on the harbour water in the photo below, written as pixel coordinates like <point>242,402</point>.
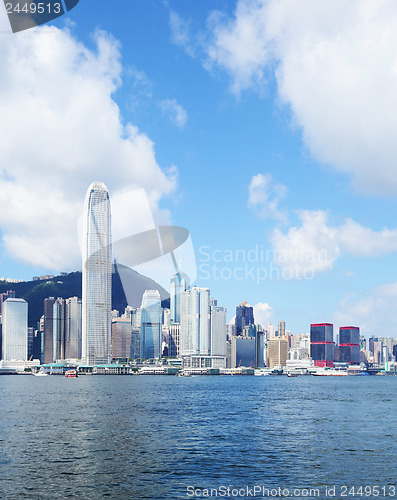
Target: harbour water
<point>159,437</point>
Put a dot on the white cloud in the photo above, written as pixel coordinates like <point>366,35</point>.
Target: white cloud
<point>308,249</point>
<point>60,129</point>
<point>240,45</point>
<point>315,245</point>
<point>175,111</point>
<point>335,66</point>
<point>262,313</point>
<point>265,196</point>
<point>180,32</point>
<point>374,313</point>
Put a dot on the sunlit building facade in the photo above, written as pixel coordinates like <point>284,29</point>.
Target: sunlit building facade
<point>151,328</point>
<point>15,330</point>
<point>180,282</point>
<point>97,276</point>
<point>195,333</point>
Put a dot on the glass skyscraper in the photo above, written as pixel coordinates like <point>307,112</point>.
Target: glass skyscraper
<point>244,316</point>
<point>195,333</point>
<point>73,328</point>
<point>218,331</point>
<point>97,276</point>
<point>15,330</point>
<point>151,331</point>
<point>180,282</point>
<point>322,344</point>
<point>349,344</point>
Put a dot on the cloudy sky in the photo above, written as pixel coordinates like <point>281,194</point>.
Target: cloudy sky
<point>267,128</point>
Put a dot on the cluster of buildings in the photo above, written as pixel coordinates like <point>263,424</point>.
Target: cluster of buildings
<point>192,333</point>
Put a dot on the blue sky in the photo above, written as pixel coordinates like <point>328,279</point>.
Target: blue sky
<point>254,124</point>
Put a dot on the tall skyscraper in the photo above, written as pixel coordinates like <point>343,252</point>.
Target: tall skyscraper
<point>180,282</point>
<point>121,337</point>
<point>73,328</point>
<point>195,336</point>
<point>244,316</point>
<point>151,332</point>
<point>97,276</point>
<point>277,351</point>
<point>48,329</point>
<point>218,331</point>
<point>349,344</point>
<point>174,340</point>
<point>322,344</point>
<point>281,329</point>
<point>243,351</point>
<point>9,294</point>
<point>15,330</point>
<point>59,313</point>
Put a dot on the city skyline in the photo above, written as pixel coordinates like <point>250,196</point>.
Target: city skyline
<point>284,205</point>
<point>200,341</point>
<point>201,189</point>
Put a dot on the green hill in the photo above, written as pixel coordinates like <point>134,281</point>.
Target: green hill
<point>34,292</point>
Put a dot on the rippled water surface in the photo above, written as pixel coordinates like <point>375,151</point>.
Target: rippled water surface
<point>136,437</point>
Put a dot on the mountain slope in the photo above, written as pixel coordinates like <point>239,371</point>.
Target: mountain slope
<point>34,292</point>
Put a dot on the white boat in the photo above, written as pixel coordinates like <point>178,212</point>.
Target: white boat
<point>40,374</point>
<point>330,373</point>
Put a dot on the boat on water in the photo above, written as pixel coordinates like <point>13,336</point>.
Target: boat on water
<point>289,374</point>
<point>71,374</point>
<point>40,374</point>
<point>330,373</point>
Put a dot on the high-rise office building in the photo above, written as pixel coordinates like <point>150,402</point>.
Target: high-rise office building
<point>244,316</point>
<point>121,337</point>
<point>378,352</point>
<point>281,329</point>
<point>277,351</point>
<point>371,343</point>
<point>97,276</point>
<point>151,331</point>
<point>218,331</point>
<point>59,313</point>
<point>48,329</point>
<point>243,351</point>
<point>9,294</point>
<point>61,329</point>
<point>180,282</point>
<point>349,344</point>
<point>174,340</point>
<point>322,344</point>
<point>195,333</point>
<point>270,330</point>
<point>73,328</point>
<point>15,330</point>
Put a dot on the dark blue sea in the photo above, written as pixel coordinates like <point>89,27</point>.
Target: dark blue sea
<point>165,437</point>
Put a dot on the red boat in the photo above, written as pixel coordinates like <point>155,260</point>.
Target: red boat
<point>71,374</point>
